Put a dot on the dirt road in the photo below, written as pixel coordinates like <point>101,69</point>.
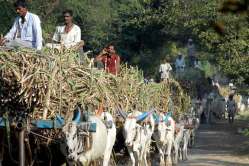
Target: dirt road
<point>220,144</point>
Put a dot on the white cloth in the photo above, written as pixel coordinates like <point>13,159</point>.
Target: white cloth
<point>180,63</point>
<point>54,46</point>
<point>69,39</point>
<point>164,70</point>
<point>29,32</point>
<point>18,43</point>
<point>191,49</point>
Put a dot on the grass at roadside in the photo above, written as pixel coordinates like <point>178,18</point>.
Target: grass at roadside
<point>244,116</point>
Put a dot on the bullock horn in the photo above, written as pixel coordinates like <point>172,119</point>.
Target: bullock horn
<point>123,114</point>
<point>77,116</point>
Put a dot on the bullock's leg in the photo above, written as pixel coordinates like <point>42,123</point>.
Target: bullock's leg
<point>186,153</point>
<point>180,156</point>
<point>132,156</point>
<point>185,148</point>
<point>107,157</point>
<point>176,151</point>
<point>144,159</point>
<point>138,158</point>
<point>110,142</point>
<point>192,138</point>
<point>144,153</point>
<point>139,155</point>
<point>169,147</point>
<point>161,154</point>
<point>179,153</point>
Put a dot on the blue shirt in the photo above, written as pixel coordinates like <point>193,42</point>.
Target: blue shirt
<point>29,31</point>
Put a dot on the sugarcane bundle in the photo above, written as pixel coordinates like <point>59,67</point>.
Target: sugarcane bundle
<point>180,98</point>
<point>54,83</point>
<point>169,96</point>
<point>129,85</point>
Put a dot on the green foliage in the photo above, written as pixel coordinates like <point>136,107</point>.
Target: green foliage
<point>6,16</point>
<point>208,69</point>
<point>191,74</point>
<point>246,132</point>
<point>236,68</point>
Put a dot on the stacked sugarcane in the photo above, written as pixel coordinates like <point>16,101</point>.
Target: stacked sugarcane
<point>52,83</point>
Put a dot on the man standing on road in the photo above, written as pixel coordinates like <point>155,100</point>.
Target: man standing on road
<point>26,30</point>
<point>231,108</point>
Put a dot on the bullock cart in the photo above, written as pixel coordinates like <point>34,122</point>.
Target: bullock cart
<point>34,140</point>
<point>38,89</point>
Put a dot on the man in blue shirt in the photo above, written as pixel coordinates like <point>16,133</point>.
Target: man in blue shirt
<point>26,30</point>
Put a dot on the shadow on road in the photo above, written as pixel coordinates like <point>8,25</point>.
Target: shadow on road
<point>220,144</point>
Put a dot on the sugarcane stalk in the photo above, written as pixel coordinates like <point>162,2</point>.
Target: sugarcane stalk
<point>47,98</point>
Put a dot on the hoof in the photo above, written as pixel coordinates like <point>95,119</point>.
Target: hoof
<point>162,163</point>
<point>168,164</point>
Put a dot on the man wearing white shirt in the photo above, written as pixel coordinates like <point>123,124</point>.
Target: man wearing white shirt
<point>180,63</point>
<point>68,35</point>
<point>164,70</point>
<point>26,30</point>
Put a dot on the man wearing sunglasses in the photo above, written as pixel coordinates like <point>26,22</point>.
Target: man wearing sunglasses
<point>68,35</point>
<point>26,30</point>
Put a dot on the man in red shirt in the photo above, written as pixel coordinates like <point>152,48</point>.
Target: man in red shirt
<point>110,60</point>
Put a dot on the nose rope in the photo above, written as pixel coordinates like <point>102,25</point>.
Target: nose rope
<point>136,134</point>
<point>78,148</point>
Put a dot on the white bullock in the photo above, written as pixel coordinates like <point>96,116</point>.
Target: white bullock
<point>219,107</point>
<point>138,129</point>
<point>177,142</point>
<point>101,145</point>
<point>185,132</point>
<point>164,137</point>
<point>191,123</point>
<point>196,124</point>
<point>185,141</point>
